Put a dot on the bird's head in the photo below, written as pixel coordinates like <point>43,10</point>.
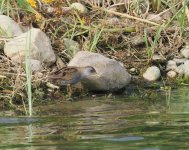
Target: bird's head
<point>88,71</point>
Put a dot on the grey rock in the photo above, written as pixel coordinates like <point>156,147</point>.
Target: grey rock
<point>179,60</point>
<point>111,75</point>
<point>185,51</point>
<point>39,43</point>
<point>180,70</point>
<point>171,65</point>
<point>152,73</point>
<point>8,27</point>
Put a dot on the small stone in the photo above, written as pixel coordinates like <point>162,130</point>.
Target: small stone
<point>171,74</point>
<point>132,70</point>
<point>79,7</point>
<point>180,70</point>
<point>179,60</point>
<point>171,65</point>
<point>185,51</point>
<point>152,73</point>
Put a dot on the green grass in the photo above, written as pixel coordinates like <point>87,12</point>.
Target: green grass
<point>151,48</point>
<point>28,72</point>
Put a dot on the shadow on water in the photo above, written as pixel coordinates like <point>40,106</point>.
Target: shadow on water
<point>114,123</point>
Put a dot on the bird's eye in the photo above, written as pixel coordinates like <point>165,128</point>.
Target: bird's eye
<point>93,70</point>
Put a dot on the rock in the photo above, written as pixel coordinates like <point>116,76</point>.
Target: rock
<point>171,65</point>
<point>152,73</point>
<point>40,47</point>
<point>180,70</point>
<point>171,74</point>
<point>185,51</point>
<point>9,27</point>
<point>132,70</point>
<point>112,76</point>
<point>186,68</point>
<point>179,60</point>
<point>71,47</point>
<point>79,7</point>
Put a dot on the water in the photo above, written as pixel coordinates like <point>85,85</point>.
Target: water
<point>103,124</point>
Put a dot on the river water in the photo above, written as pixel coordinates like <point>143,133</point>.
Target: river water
<point>102,123</point>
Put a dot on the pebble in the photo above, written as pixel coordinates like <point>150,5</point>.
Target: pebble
<point>171,74</point>
<point>171,65</point>
<point>79,7</point>
<point>180,70</point>
<point>179,60</point>
<point>132,70</point>
<point>152,73</point>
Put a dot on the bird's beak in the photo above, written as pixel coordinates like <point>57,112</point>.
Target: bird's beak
<point>95,75</point>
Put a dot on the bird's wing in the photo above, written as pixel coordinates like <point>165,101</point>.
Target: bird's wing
<point>66,75</point>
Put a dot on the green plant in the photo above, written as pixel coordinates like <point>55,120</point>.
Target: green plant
<point>11,7</point>
<point>96,39</point>
<point>150,48</point>
<point>28,72</point>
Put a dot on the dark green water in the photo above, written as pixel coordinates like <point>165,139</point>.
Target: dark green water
<point>103,124</point>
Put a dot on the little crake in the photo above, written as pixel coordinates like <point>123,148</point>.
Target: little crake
<point>72,75</point>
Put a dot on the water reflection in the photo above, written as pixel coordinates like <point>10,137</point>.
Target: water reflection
<point>118,123</point>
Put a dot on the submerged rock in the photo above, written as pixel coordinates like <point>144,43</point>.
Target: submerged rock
<point>9,27</point>
<point>112,76</point>
<point>152,73</point>
<point>37,41</point>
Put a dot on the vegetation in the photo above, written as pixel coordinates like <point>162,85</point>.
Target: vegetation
<point>128,31</point>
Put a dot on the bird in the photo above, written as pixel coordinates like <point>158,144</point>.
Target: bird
<point>72,75</point>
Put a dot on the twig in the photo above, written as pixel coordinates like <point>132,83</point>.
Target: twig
<point>126,15</point>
